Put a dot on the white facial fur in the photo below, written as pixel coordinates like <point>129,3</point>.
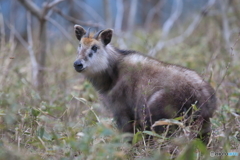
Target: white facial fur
<point>96,63</point>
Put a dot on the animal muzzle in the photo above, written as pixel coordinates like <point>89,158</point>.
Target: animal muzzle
<point>78,65</point>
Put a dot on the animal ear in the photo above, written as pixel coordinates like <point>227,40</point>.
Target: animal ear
<point>79,31</point>
<point>106,36</point>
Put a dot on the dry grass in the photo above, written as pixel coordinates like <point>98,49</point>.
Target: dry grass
<point>59,125</point>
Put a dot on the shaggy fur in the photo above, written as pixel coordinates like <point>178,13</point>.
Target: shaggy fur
<point>140,90</point>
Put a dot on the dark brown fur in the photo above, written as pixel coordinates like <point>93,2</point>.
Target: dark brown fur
<point>140,90</point>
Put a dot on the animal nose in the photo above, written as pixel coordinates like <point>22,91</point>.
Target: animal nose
<point>78,65</point>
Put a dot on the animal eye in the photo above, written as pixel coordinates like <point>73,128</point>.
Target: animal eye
<point>94,48</point>
<point>90,55</point>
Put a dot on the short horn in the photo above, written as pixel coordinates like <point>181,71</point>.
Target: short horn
<point>97,34</point>
<point>88,32</point>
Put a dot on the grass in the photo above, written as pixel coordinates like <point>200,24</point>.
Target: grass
<point>69,122</point>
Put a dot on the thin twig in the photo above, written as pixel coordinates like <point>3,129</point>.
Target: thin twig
<point>40,139</point>
<point>87,104</point>
<point>76,21</point>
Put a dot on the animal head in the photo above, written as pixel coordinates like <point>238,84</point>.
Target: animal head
<point>92,55</point>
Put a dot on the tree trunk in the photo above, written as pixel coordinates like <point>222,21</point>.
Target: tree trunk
<point>132,15</point>
<point>119,15</point>
<point>107,13</point>
<point>41,55</point>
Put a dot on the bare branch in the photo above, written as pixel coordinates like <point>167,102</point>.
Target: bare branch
<point>185,34</point>
<point>90,11</point>
<point>56,24</point>
<point>76,21</point>
<point>176,12</point>
<point>18,36</point>
<point>52,4</point>
<point>32,8</point>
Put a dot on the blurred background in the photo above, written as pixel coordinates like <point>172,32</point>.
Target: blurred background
<point>44,103</point>
<point>120,15</point>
